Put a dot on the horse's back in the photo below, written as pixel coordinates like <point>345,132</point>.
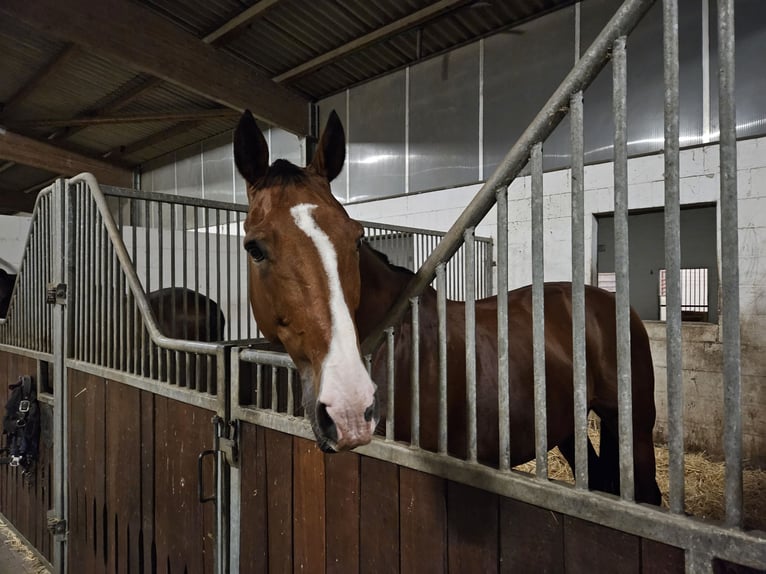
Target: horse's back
<point>186,314</point>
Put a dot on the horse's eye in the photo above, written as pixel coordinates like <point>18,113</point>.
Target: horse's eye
<point>254,250</point>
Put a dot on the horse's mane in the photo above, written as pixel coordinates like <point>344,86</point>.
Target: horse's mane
<point>384,258</point>
<point>280,173</point>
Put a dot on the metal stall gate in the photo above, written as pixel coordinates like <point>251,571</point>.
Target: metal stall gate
<point>394,506</point>
<point>125,308</point>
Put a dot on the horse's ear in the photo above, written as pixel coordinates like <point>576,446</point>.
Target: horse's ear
<point>331,150</point>
<point>251,152</point>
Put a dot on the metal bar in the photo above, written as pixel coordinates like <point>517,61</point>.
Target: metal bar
<point>503,390</point>
<point>390,383</point>
<point>538,313</point>
<point>578,294</point>
<point>673,259</point>
<point>290,394</point>
<point>621,267</point>
<point>274,390</point>
<point>415,375</point>
<point>441,312</point>
<point>470,347</point>
<point>622,22</point>
<point>730,264</point>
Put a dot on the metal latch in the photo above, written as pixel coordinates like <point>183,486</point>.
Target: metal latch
<point>56,526</point>
<point>55,293</point>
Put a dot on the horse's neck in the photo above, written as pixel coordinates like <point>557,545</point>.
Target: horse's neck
<point>381,284</point>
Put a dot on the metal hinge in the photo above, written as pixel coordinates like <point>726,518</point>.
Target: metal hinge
<point>229,446</point>
<point>55,294</point>
<point>56,526</point>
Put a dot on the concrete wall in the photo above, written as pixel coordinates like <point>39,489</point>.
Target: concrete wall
<point>700,184</point>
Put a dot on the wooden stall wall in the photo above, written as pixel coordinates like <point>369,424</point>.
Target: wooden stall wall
<point>133,503</point>
<point>25,504</point>
<point>304,511</point>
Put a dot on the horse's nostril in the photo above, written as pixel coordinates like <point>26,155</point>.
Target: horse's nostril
<point>325,423</point>
<point>371,411</point>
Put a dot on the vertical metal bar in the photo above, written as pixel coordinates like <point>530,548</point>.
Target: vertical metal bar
<point>290,395</point>
<point>229,253</point>
<point>673,258</point>
<point>103,290</point>
<point>470,346</point>
<point>730,264</point>
<point>538,313</point>
<point>61,271</point>
<point>90,283</point>
<point>441,312</point>
<point>259,402</point>
<point>415,375</point>
<point>578,293</point>
<point>621,267</point>
<point>390,383</point>
<point>503,390</point>
<point>274,390</point>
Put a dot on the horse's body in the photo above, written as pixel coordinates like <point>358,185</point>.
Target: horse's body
<point>7,282</point>
<point>316,289</point>
<point>382,283</point>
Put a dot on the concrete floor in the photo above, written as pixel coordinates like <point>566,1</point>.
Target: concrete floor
<point>15,558</point>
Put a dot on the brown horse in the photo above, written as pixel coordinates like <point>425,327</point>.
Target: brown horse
<point>311,273</point>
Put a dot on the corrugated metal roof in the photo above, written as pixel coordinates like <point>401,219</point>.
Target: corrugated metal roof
<point>286,35</point>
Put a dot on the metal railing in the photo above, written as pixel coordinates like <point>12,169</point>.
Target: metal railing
<point>703,542</point>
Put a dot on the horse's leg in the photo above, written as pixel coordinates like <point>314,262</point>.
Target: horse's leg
<point>595,478</point>
<point>609,451</point>
<point>646,489</point>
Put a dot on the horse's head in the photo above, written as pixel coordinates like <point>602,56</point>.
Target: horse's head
<point>305,284</point>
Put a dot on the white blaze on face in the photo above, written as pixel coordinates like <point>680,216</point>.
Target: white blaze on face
<point>345,387</point>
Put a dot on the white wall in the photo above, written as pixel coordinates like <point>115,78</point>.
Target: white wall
<point>13,237</point>
<point>700,183</point>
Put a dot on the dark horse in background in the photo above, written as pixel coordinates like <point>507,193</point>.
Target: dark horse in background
<point>7,281</point>
<point>185,314</point>
<point>318,289</point>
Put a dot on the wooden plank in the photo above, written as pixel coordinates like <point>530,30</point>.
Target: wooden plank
<point>590,547</point>
<point>123,475</point>
<point>34,153</point>
<point>146,542</point>
<point>308,507</point>
<point>253,556</point>
<point>379,520</point>
<point>342,513</point>
<point>472,529</point>
<point>183,431</point>
<point>658,558</point>
<point>77,525</point>
<point>531,538</point>
<point>143,40</point>
<point>279,468</point>
<point>423,519</point>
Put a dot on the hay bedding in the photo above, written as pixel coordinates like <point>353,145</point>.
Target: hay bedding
<point>704,484</point>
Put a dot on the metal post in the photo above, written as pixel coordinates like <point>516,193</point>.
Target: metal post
<point>503,391</point>
<point>673,259</point>
<point>730,264</point>
<point>441,311</point>
<point>415,375</point>
<point>470,346</point>
<point>621,267</point>
<point>538,313</point>
<point>578,294</point>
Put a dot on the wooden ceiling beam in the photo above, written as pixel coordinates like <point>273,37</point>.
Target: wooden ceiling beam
<point>40,76</point>
<point>159,137</point>
<point>34,153</point>
<point>228,31</point>
<point>128,119</point>
<point>139,38</point>
<point>397,27</point>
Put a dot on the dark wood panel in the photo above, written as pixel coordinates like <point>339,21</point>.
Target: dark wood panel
<point>146,544</point>
<point>591,548</point>
<point>531,538</point>
<point>658,558</point>
<point>308,507</point>
<point>472,529</point>
<point>423,522</point>
<point>253,551</point>
<point>279,473</point>
<point>182,432</point>
<point>342,512</point>
<point>379,522</point>
<point>123,475</point>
